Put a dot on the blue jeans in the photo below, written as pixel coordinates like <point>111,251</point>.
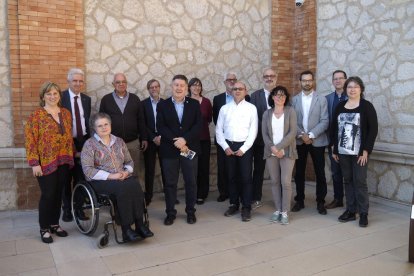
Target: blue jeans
<point>337,178</point>
<point>355,182</point>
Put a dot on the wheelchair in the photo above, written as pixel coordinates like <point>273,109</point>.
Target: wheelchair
<point>86,204</point>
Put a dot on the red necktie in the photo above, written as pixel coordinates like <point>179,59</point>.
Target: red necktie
<point>79,132</point>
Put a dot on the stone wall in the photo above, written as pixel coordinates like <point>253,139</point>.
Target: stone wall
<point>374,40</point>
<point>158,39</point>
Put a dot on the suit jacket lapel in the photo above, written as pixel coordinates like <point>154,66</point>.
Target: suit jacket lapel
<point>173,111</point>
<point>313,102</point>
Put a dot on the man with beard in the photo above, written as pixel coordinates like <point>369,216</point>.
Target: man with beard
<point>312,117</point>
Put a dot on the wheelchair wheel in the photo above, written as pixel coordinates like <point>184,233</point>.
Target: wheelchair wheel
<point>85,208</point>
<point>103,240</point>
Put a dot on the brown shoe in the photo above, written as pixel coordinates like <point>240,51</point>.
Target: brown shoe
<point>334,204</point>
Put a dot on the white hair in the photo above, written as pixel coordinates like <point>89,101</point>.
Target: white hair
<point>229,73</point>
<point>74,71</point>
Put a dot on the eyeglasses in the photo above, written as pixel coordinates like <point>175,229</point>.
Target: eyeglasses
<point>154,87</point>
<point>120,82</point>
<point>307,81</point>
<point>338,79</point>
<point>280,96</point>
<point>352,87</point>
<point>77,81</point>
<point>269,76</point>
<point>238,88</point>
<point>231,80</point>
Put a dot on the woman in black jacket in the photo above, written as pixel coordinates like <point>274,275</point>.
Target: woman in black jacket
<point>353,133</point>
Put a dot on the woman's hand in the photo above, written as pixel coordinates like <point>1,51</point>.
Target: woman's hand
<point>335,157</point>
<point>363,159</point>
<point>37,171</point>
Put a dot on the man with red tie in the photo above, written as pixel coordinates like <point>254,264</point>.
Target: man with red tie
<point>79,105</point>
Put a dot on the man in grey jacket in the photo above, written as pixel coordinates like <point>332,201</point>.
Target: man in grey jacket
<point>312,116</point>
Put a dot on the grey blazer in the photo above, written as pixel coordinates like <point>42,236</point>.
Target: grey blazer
<point>318,121</point>
<point>288,142</point>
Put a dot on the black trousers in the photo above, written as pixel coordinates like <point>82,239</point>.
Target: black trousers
<point>203,172</point>
<point>75,175</point>
<point>128,195</point>
<point>239,176</point>
<point>150,160</point>
<point>318,159</point>
<point>51,187</point>
<point>337,177</point>
<point>222,184</point>
<point>258,171</point>
<point>171,170</point>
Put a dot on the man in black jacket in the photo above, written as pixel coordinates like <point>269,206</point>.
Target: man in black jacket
<point>179,124</point>
<point>79,106</point>
<point>154,138</point>
<point>127,115</point>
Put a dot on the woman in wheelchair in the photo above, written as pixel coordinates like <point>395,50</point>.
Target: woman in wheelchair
<point>108,167</point>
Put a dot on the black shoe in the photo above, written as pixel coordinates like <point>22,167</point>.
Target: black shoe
<point>363,220</point>
<point>200,201</point>
<point>56,229</point>
<point>67,216</point>
<point>232,210</point>
<point>321,208</point>
<point>177,201</point>
<point>129,235</point>
<point>222,198</point>
<point>169,220</point>
<point>298,206</point>
<point>245,215</point>
<point>347,216</point>
<point>334,204</point>
<point>147,202</point>
<point>46,236</point>
<point>191,219</point>
<point>144,232</point>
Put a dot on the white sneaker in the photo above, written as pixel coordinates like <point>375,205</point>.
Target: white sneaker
<point>276,217</point>
<point>256,204</point>
<point>284,219</point>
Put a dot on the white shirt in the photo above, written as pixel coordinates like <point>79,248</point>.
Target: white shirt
<point>237,123</point>
<point>267,93</point>
<point>278,125</point>
<point>81,112</point>
<point>306,103</point>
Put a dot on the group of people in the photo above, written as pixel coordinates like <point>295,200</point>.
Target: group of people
<point>266,129</point>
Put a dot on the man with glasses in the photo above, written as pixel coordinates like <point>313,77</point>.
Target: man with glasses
<point>260,99</point>
<point>312,117</point>
<point>236,131</point>
<point>338,80</point>
<point>219,101</point>
<point>154,138</point>
<point>79,106</point>
<point>127,115</point>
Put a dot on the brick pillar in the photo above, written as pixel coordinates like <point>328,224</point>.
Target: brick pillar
<point>46,39</point>
<point>294,46</point>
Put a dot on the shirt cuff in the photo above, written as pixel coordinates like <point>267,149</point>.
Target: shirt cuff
<point>311,135</point>
<point>129,168</point>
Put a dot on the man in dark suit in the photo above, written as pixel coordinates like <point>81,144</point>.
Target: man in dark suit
<point>179,124</point>
<point>154,138</point>
<point>79,105</point>
<point>338,80</point>
<point>312,116</point>
<point>259,99</point>
<point>220,100</point>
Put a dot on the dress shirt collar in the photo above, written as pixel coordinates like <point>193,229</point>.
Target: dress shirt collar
<point>177,102</point>
<point>307,96</point>
<point>96,136</point>
<point>72,94</point>
<point>121,98</point>
<point>154,100</point>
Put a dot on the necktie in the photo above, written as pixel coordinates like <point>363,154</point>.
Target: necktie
<point>79,132</point>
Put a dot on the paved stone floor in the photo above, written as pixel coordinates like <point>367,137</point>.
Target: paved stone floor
<point>216,245</point>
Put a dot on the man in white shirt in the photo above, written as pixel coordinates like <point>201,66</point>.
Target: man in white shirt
<point>312,116</point>
<point>79,105</point>
<point>236,131</point>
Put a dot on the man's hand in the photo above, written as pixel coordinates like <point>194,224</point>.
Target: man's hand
<point>228,152</point>
<point>179,142</point>
<point>157,140</point>
<point>239,153</point>
<point>144,145</point>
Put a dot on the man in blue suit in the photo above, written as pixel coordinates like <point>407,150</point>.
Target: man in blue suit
<point>338,80</point>
<point>79,105</point>
<point>313,120</point>
<point>179,124</point>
